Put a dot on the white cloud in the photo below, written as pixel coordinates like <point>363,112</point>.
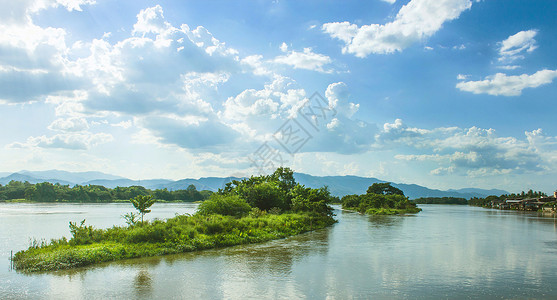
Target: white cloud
<point>515,45</point>
<point>417,20</point>
<point>338,96</point>
<point>307,60</point>
<point>69,125</point>
<point>462,77</point>
<point>503,85</point>
<point>72,141</point>
<point>284,47</point>
<point>124,124</point>
<point>389,1</point>
<point>509,67</point>
<point>471,151</point>
<point>150,20</point>
<point>256,64</point>
<point>257,108</point>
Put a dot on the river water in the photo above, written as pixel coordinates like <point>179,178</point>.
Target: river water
<point>455,252</point>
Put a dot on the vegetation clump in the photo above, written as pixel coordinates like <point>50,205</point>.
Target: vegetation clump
<point>252,210</point>
<point>380,199</point>
<point>441,200</point>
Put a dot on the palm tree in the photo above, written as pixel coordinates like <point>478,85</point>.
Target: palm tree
<point>142,203</point>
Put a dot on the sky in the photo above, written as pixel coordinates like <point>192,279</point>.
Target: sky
<point>442,93</point>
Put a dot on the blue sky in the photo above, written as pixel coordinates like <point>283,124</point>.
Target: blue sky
<point>442,93</point>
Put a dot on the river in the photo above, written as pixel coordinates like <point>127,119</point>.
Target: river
<point>443,252</point>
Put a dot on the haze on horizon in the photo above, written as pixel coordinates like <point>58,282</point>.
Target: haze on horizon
<point>440,93</point>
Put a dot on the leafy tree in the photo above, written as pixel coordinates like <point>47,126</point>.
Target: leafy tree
<point>42,192</point>
<point>384,189</point>
<point>142,204</point>
<point>312,200</point>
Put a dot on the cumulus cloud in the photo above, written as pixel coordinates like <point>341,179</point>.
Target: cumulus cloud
<point>277,101</point>
<point>415,21</point>
<point>32,56</point>
<point>471,151</point>
<point>190,133</point>
<point>515,45</point>
<point>504,85</point>
<point>338,96</point>
<point>150,20</point>
<point>307,60</point>
<point>69,125</point>
<point>72,141</point>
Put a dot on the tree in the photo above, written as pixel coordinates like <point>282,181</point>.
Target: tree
<point>384,189</point>
<point>142,204</point>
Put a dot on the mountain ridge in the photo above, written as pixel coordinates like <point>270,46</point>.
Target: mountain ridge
<point>338,185</point>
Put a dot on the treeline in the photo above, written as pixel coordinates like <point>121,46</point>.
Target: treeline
<point>380,198</point>
<point>496,199</point>
<point>441,200</point>
<point>48,192</point>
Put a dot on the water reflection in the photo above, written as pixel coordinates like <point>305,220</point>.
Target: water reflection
<point>143,283</point>
<point>383,221</point>
<point>443,252</point>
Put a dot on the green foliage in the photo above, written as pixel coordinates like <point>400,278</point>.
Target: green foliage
<point>142,204</point>
<point>441,200</point>
<point>131,218</point>
<point>47,192</point>
<point>312,200</point>
<point>226,205</point>
<point>380,199</point>
<point>182,233</point>
<point>279,192</point>
<point>384,189</point>
<point>83,235</point>
<point>14,190</point>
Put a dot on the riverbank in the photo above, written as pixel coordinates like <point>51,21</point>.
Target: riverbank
<point>183,233</point>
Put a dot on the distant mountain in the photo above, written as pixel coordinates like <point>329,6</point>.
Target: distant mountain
<point>30,179</point>
<point>74,177</point>
<point>338,185</point>
<point>495,192</point>
<point>345,185</point>
<point>206,183</point>
<point>149,184</point>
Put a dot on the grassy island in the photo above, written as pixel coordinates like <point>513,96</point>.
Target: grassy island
<point>253,210</point>
<point>380,199</point>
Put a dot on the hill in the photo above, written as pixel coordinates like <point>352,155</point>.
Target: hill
<point>338,185</point>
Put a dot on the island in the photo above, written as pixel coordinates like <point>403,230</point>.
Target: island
<point>380,199</point>
<point>251,210</point>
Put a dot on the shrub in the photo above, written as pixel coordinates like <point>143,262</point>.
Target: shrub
<point>226,205</point>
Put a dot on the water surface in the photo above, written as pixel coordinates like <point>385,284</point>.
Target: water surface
<point>443,252</point>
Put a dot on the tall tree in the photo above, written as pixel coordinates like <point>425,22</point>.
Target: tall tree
<point>384,189</point>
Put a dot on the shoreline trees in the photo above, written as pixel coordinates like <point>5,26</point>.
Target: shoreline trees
<point>48,192</point>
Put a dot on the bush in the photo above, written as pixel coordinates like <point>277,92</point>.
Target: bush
<point>226,205</point>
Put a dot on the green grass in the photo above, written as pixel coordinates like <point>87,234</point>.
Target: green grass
<point>180,234</point>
